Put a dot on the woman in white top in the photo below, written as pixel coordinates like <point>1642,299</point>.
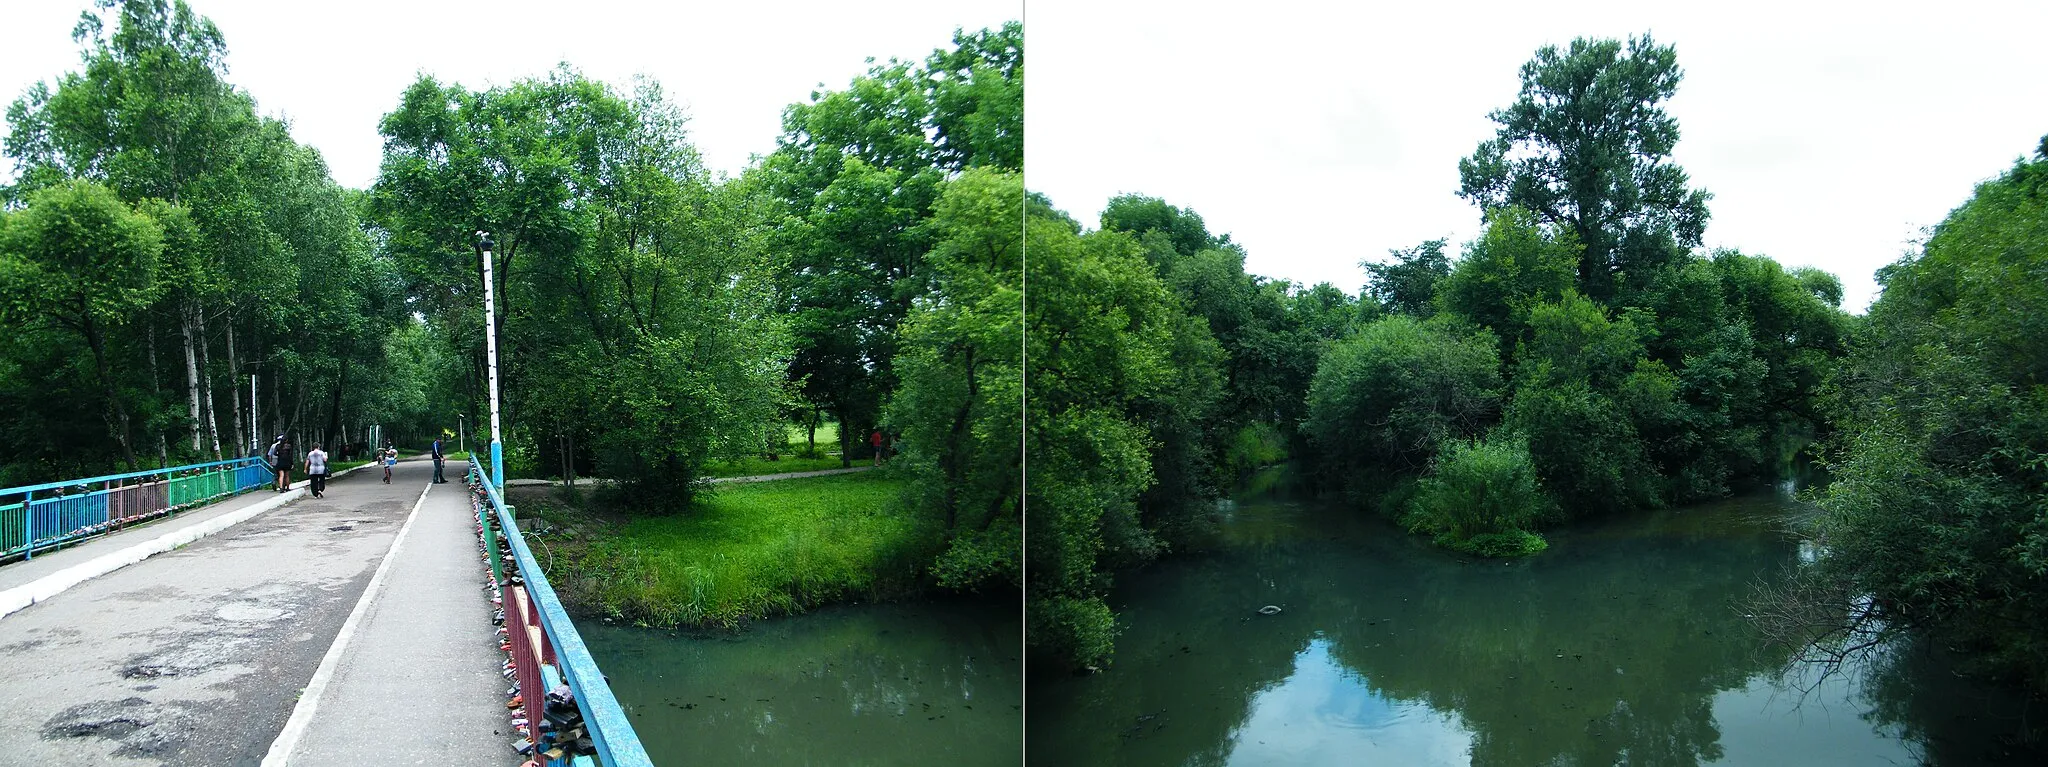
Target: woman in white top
<point>316,470</point>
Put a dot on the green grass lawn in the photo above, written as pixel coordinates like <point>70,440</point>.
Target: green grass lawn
<point>828,437</point>
<point>790,461</point>
<point>742,552</point>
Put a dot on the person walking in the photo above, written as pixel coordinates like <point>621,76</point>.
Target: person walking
<point>316,470</point>
<point>438,459</point>
<point>389,457</point>
<point>875,442</point>
<point>281,461</point>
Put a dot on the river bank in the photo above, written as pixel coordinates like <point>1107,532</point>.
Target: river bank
<point>743,552</point>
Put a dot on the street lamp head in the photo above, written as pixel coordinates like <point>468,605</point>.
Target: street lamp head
<point>483,241</point>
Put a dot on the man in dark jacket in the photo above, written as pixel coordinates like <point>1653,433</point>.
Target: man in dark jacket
<point>438,458</point>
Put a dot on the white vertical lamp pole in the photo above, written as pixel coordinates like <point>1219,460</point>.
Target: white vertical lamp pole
<point>484,245</point>
<point>253,444</point>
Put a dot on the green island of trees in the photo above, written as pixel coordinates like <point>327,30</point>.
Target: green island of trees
<point>1582,357</point>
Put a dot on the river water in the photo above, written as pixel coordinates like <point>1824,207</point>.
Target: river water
<point>925,683</point>
<point>1625,643</point>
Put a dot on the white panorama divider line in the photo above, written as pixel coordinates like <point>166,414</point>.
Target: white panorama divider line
<point>280,753</point>
<point>20,597</point>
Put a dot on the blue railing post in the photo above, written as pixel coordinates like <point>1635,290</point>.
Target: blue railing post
<point>28,524</point>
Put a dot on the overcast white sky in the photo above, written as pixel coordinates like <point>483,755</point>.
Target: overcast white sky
<point>335,69</point>
<point>1319,133</point>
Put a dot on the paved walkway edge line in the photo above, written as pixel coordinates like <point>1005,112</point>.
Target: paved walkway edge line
<point>287,741</point>
<point>20,597</point>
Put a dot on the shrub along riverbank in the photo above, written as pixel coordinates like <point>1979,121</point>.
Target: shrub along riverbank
<point>738,553</point>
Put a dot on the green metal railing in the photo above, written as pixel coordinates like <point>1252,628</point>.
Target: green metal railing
<point>55,513</point>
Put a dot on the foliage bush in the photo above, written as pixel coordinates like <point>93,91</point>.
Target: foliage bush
<point>1383,399</point>
<point>1254,445</point>
<point>1481,496</point>
<point>959,360</point>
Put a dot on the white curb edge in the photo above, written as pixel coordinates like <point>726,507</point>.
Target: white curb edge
<point>287,741</point>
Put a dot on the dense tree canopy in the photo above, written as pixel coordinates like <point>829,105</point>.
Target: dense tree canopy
<point>1937,509</point>
<point>857,173</point>
<point>259,267</point>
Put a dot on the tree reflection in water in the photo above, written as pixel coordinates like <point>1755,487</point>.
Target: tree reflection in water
<point>1619,646</point>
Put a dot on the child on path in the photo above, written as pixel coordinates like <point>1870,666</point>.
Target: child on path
<point>316,470</point>
<point>389,457</point>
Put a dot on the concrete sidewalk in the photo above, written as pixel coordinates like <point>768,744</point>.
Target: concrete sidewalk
<point>198,656</point>
<point>21,580</point>
<point>417,681</point>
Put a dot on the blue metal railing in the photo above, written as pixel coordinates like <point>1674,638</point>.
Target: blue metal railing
<point>617,745</point>
<point>71,509</point>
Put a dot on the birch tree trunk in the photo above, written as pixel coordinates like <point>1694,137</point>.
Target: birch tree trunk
<point>191,374</point>
<point>235,376</point>
<point>156,389</point>
<point>206,390</point>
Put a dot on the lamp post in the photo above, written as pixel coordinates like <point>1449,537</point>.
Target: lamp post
<point>461,442</point>
<point>255,446</point>
<point>484,246</point>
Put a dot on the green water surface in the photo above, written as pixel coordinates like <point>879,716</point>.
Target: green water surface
<point>934,683</point>
<point>1625,643</point>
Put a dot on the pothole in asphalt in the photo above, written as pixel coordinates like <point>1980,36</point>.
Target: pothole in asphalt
<point>105,719</point>
<point>340,528</point>
<point>148,672</point>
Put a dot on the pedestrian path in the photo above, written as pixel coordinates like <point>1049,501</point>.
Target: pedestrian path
<point>199,655</point>
<point>415,681</point>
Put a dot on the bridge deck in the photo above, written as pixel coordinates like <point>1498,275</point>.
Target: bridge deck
<point>198,656</point>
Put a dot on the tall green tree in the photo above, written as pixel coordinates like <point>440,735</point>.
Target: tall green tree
<point>858,172</point>
<point>961,403</point>
<point>1587,145</point>
<point>263,260</point>
<point>80,261</point>
<point>1112,356</point>
<point>1409,283</point>
<point>637,305</point>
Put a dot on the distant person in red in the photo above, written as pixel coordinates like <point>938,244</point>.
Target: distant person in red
<point>875,441</point>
